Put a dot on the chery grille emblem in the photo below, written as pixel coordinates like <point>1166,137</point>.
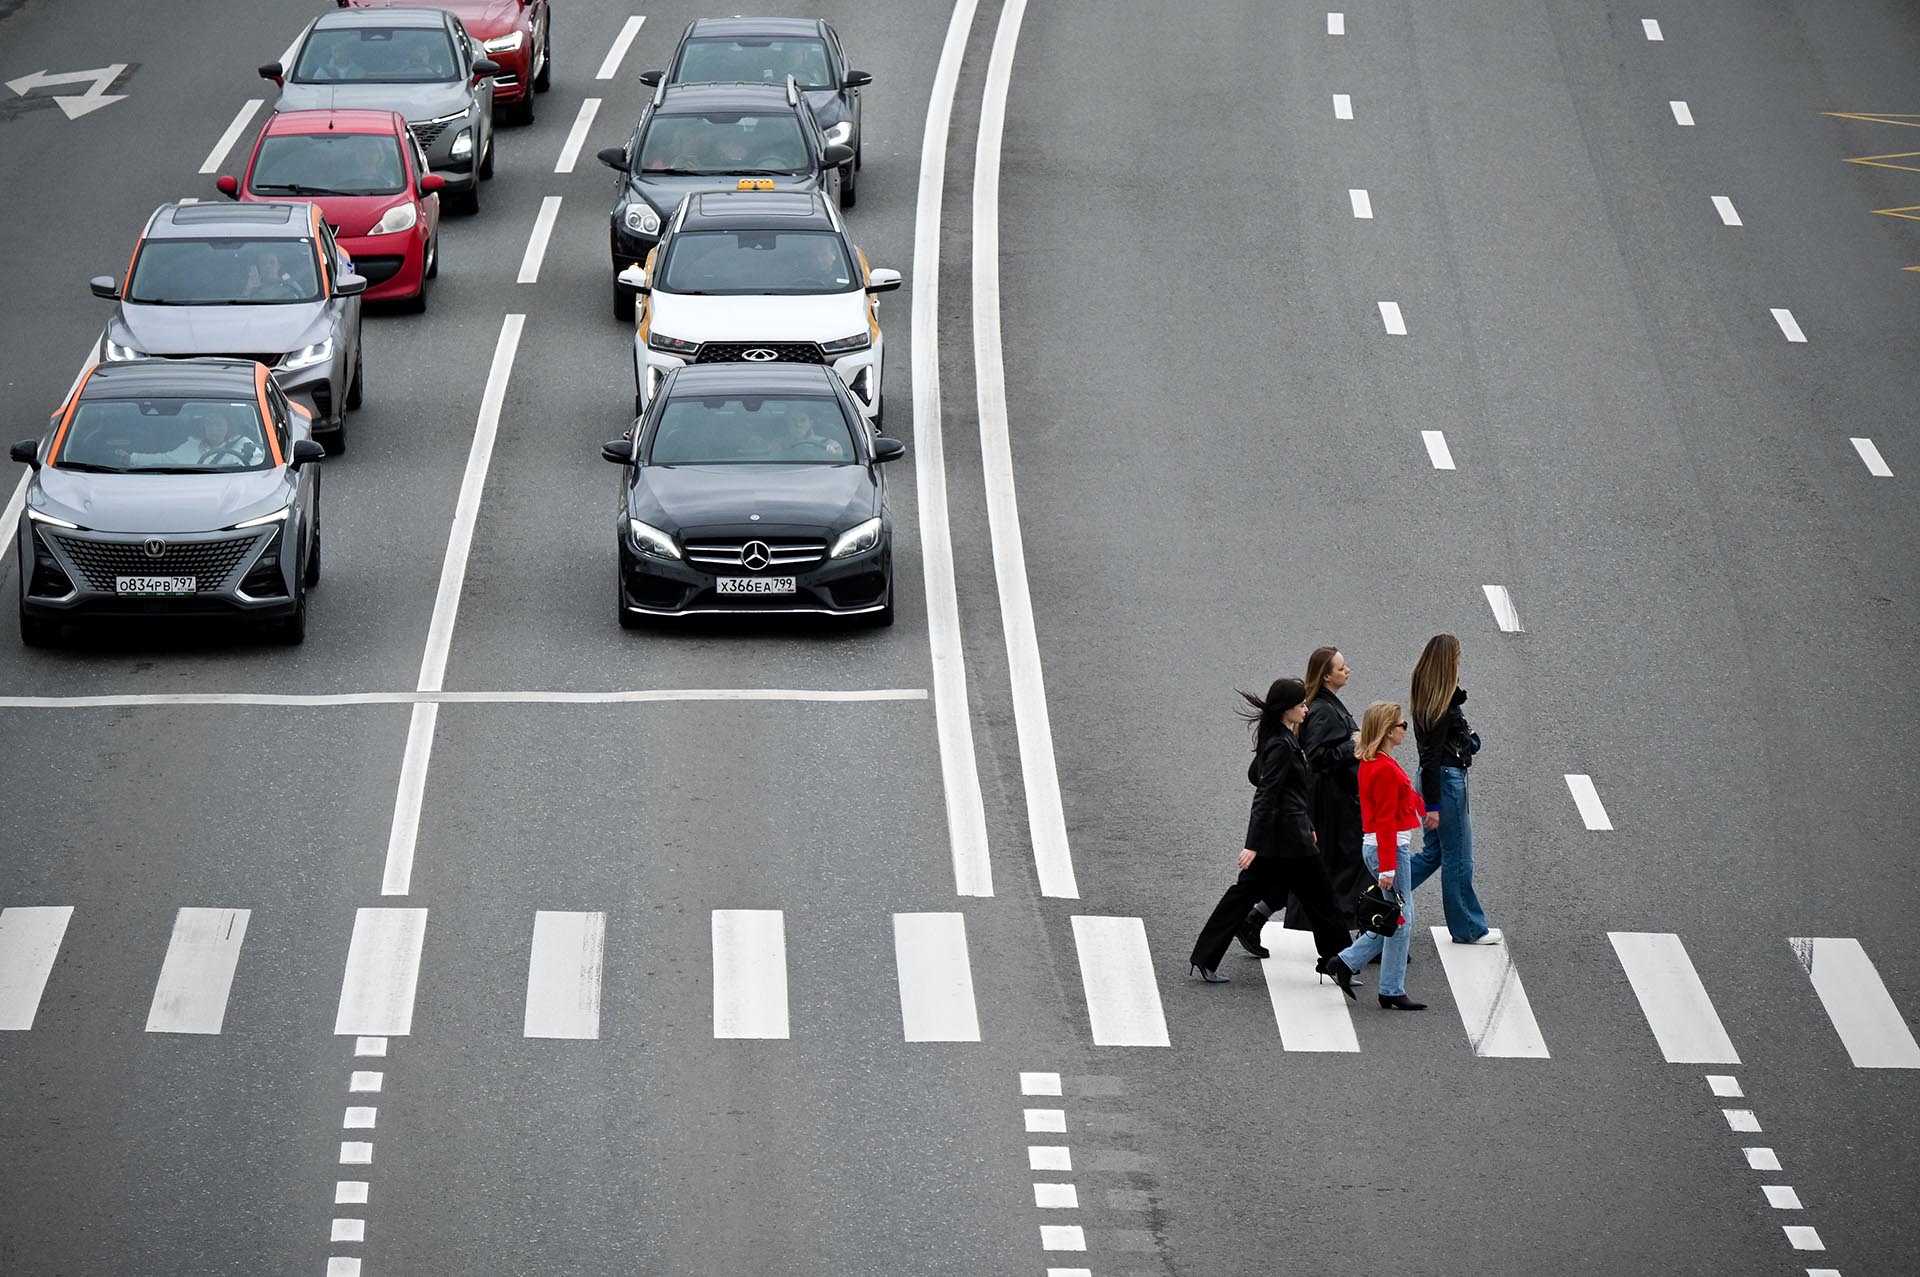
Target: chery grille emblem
<point>754,556</point>
<point>155,548</point>
<point>760,354</point>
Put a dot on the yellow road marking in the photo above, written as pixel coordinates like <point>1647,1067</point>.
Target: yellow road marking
<point>1911,212</point>
<point>1880,161</point>
<point>1909,121</point>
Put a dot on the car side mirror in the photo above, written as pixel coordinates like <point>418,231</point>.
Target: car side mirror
<point>26,452</point>
<point>857,80</point>
<point>350,285</point>
<point>619,451</point>
<point>275,72</point>
<point>652,78</point>
<point>105,286</point>
<point>304,451</point>
<point>613,157</point>
<point>882,280</point>
<point>485,66</point>
<point>888,449</point>
<point>836,154</point>
<point>431,183</point>
<point>634,280</point>
<point>228,186</point>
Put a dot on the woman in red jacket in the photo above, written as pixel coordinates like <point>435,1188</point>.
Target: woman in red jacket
<point>1390,810</point>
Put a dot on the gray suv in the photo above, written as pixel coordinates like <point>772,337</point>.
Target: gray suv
<point>419,62</point>
<point>262,282</point>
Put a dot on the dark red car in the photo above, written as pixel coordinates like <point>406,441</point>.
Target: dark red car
<point>514,33</point>
<point>371,181</point>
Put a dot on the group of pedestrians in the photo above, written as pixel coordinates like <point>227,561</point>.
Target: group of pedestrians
<point>1334,813</point>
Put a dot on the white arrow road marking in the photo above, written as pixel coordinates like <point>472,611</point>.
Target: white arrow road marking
<point>74,105</point>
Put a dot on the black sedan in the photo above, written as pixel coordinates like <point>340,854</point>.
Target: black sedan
<point>754,488</point>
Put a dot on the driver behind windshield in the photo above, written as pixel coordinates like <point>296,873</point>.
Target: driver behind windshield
<point>210,441</point>
<point>803,439</point>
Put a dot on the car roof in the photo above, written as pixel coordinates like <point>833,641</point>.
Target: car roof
<point>688,98</point>
<point>265,220</point>
<point>751,210</point>
<point>752,379</point>
<point>342,120</point>
<point>140,378</point>
<point>356,19</point>
<point>707,28</point>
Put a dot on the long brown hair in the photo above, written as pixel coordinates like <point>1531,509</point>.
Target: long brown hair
<point>1436,677</point>
<point>1375,726</point>
<point>1318,665</point>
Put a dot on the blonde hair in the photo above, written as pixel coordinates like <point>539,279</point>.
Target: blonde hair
<point>1436,677</point>
<point>1375,726</point>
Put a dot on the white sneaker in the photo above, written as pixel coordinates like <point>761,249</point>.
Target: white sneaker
<point>1491,937</point>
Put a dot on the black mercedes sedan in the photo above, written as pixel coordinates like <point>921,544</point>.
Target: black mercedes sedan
<point>754,488</point>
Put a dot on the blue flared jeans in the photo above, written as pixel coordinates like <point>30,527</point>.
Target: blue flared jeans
<point>1391,950</point>
<point>1449,849</point>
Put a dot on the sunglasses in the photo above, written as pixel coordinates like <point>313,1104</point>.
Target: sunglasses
<point>1402,724</point>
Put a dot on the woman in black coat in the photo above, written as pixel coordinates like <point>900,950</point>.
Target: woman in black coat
<point>1333,797</point>
<point>1279,857</point>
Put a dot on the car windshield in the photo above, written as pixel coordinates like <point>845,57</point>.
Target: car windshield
<point>760,262</point>
<point>377,55</point>
<point>328,164</point>
<point>177,436</point>
<point>726,143</point>
<point>750,60</point>
<point>701,430</point>
<point>231,272</point>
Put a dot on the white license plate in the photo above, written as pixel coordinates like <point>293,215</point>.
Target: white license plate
<point>755,585</point>
<point>153,585</point>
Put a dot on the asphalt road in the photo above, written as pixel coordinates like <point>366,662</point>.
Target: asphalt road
<point>1216,438</point>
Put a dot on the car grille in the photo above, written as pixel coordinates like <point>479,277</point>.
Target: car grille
<point>734,352</point>
<point>209,563</point>
<point>427,132</point>
<point>784,552</point>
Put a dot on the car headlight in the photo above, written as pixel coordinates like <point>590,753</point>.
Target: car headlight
<point>651,540</point>
<point>671,345</point>
<point>505,43</point>
<point>275,517</point>
<point>37,517</point>
<point>857,539</point>
<point>400,217</point>
<point>308,356</point>
<point>642,220</point>
<point>847,345</point>
<point>841,134</point>
<point>463,145</point>
<point>112,350</point>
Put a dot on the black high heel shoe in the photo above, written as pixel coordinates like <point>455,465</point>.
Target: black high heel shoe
<point>1212,977</point>
<point>1342,974</point>
<point>1400,1002</point>
<point>1250,941</point>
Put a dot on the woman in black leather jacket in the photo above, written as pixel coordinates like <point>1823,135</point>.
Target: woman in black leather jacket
<point>1447,746</point>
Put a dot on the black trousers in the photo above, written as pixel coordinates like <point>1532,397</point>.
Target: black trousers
<point>1272,878</point>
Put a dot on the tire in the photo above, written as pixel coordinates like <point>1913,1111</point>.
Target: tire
<point>849,195</point>
<point>544,81</point>
<point>292,630</point>
<point>466,203</point>
<point>859,157</point>
<point>521,113</point>
<point>35,632</point>
<point>355,388</point>
<point>334,440</point>
<point>622,303</point>
<point>486,161</point>
<point>310,575</point>
<point>628,620</point>
<point>417,304</point>
<point>433,256</point>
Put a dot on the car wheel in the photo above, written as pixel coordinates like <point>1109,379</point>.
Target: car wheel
<point>354,391</point>
<point>418,302</point>
<point>35,632</point>
<point>544,81</point>
<point>622,303</point>
<point>859,157</point>
<point>334,440</point>
<point>486,161</point>
<point>293,630</point>
<point>848,195</point>
<point>628,620</point>
<point>522,111</point>
<point>433,256</point>
<point>310,575</point>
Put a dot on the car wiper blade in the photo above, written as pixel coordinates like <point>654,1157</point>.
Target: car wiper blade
<point>180,470</point>
<point>90,468</point>
<point>296,188</point>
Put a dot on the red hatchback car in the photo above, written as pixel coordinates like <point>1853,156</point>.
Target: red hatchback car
<point>517,34</point>
<point>372,183</point>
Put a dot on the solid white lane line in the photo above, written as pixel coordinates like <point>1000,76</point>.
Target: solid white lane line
<point>1505,615</point>
<point>1802,1237</point>
<point>1051,1121</point>
<point>1039,772</point>
<point>218,155</point>
<point>935,978</point>
<point>1056,1197</point>
<point>1672,998</point>
<point>563,975</point>
<point>1390,316</point>
<point>30,938</point>
<point>350,1192</point>
<point>1857,1002</point>
<point>1493,1003</point>
<point>1741,1119</point>
<point>356,1153</point>
<point>396,878</point>
<point>1781,1196</point>
<point>1652,27</point>
<point>1724,1086</point>
<point>366,1080</point>
<point>1062,1237</point>
<point>1724,206</point>
<point>360,1118</point>
<point>1310,1011</point>
<point>1362,202</point>
<point>1762,1159</point>
<point>349,1230</point>
<point>1039,1084</point>
<point>1682,114</point>
<point>197,973</point>
<point>1116,973</point>
<point>1789,326</point>
<point>1869,453</point>
<point>1343,106</point>
<point>537,241</point>
<point>621,43</point>
<point>959,770</point>
<point>1437,450</point>
<point>1587,799</point>
<point>577,136</point>
<point>374,1046</point>
<point>749,973</point>
<point>627,697</point>
<point>383,966</point>
<point>1336,24</point>
<point>1049,1157</point>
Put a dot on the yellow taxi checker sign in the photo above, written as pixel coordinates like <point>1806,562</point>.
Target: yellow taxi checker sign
<point>756,184</point>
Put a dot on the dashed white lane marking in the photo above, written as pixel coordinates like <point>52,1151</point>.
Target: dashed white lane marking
<point>1724,1086</point>
<point>1309,1010</point>
<point>577,136</point>
<point>632,696</point>
<point>1762,1159</point>
<point>1362,203</point>
<point>1724,206</point>
<point>350,1192</point>
<point>1437,450</point>
<point>1652,27</point>
<point>1056,1197</point>
<point>749,973</point>
<point>1505,615</point>
<point>1493,1003</point>
<point>1862,1011</point>
<point>953,723</point>
<point>1039,1084</point>
<point>1587,799</point>
<point>370,1046</point>
<point>1062,1237</point>
<point>1743,1120</point>
<point>1069,1272</point>
<point>397,879</point>
<point>366,1080</point>
<point>218,155</point>
<point>1803,1237</point>
<point>1789,326</point>
<point>360,1117</point>
<point>1343,106</point>
<point>187,199</point>
<point>563,975</point>
<point>1336,24</point>
<point>1672,998</point>
<point>383,967</point>
<point>197,974</point>
<point>1050,1121</point>
<point>1781,1196</point>
<point>1049,1157</point>
<point>936,979</point>
<point>1876,464</point>
<point>356,1153</point>
<point>1116,972</point>
<point>343,1266</point>
<point>537,241</point>
<point>349,1230</point>
<point>30,938</point>
<point>1390,316</point>
<point>621,43</point>
<point>1682,114</point>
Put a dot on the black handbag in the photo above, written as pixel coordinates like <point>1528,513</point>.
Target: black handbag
<point>1377,911</point>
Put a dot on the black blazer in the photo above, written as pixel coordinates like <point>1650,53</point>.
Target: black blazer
<point>1279,824</point>
<point>1451,742</point>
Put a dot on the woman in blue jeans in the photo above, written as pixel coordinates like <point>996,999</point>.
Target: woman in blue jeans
<point>1447,746</point>
<point>1390,810</point>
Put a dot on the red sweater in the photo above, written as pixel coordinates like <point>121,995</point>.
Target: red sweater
<point>1388,804</point>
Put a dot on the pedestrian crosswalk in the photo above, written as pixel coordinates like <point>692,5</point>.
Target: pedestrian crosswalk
<point>1122,984</point>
